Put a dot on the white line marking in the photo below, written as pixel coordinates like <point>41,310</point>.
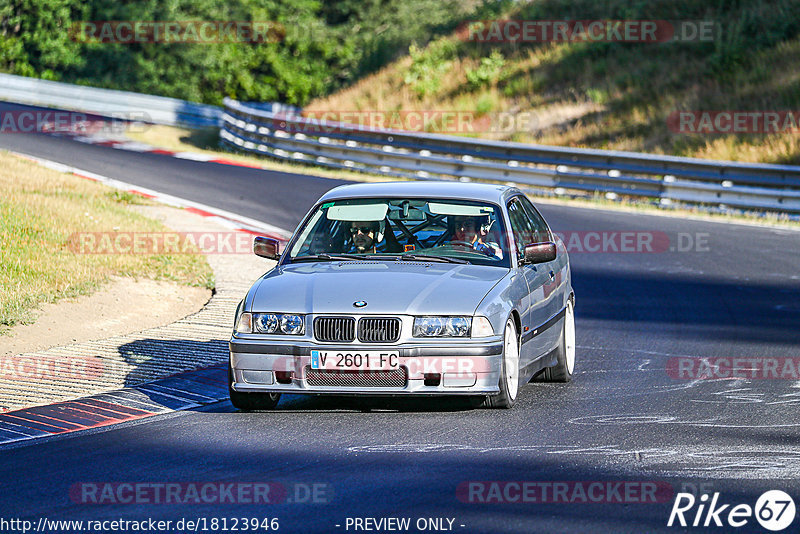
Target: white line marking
<point>194,156</point>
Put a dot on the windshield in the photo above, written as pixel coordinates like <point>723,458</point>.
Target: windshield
<point>429,229</point>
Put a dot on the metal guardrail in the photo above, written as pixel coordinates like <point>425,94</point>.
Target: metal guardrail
<point>287,135</point>
<point>108,102</point>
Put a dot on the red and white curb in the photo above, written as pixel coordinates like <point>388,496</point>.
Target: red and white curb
<point>226,218</point>
<point>135,146</point>
<point>182,391</point>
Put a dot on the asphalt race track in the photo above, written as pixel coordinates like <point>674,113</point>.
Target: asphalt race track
<point>629,415</point>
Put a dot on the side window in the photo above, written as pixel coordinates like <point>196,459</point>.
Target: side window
<point>538,223</point>
<point>521,226</point>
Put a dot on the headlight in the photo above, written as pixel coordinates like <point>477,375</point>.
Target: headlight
<point>292,324</point>
<point>276,323</point>
<point>442,326</point>
<point>266,323</point>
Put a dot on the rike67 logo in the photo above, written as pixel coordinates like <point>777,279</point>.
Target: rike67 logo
<point>774,510</point>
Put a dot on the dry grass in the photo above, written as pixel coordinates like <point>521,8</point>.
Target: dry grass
<point>39,210</point>
<point>581,98</point>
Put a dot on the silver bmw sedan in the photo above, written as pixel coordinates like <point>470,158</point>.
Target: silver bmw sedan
<point>407,288</point>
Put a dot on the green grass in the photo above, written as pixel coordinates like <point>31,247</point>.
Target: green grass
<point>39,210</point>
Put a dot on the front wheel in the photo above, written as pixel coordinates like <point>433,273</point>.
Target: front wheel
<point>251,401</point>
<point>509,372</point>
<point>565,365</point>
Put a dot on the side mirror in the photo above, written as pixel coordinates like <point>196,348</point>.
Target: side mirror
<point>540,252</point>
<point>266,247</point>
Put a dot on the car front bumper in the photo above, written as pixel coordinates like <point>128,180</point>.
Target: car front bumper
<point>463,368</point>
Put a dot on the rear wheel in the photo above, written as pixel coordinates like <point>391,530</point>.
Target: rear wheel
<point>562,371</point>
<point>251,401</point>
<point>509,373</point>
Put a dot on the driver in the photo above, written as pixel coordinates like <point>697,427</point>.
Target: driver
<point>364,235</point>
<point>472,231</point>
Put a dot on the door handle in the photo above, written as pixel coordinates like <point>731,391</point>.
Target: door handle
<point>552,276</point>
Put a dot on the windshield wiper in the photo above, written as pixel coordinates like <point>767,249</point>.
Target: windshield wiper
<point>332,257</point>
<point>426,257</point>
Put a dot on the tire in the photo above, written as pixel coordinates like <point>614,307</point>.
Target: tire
<point>509,370</point>
<point>251,401</point>
<point>563,369</point>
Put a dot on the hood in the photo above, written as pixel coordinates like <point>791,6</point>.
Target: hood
<point>392,288</point>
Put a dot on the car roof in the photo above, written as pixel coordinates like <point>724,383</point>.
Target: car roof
<point>494,193</point>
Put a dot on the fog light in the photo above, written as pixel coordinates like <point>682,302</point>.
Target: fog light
<point>258,377</point>
<point>459,380</point>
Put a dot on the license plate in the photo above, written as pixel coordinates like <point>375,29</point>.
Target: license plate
<point>372,360</point>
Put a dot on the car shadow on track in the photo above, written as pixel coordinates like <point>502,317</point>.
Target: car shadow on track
<point>153,359</point>
<point>368,404</point>
<point>158,358</point>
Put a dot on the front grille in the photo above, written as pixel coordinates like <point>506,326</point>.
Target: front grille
<point>378,330</point>
<point>335,329</point>
<point>396,378</point>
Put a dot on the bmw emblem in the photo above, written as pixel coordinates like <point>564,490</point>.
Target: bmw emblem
<point>360,303</point>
